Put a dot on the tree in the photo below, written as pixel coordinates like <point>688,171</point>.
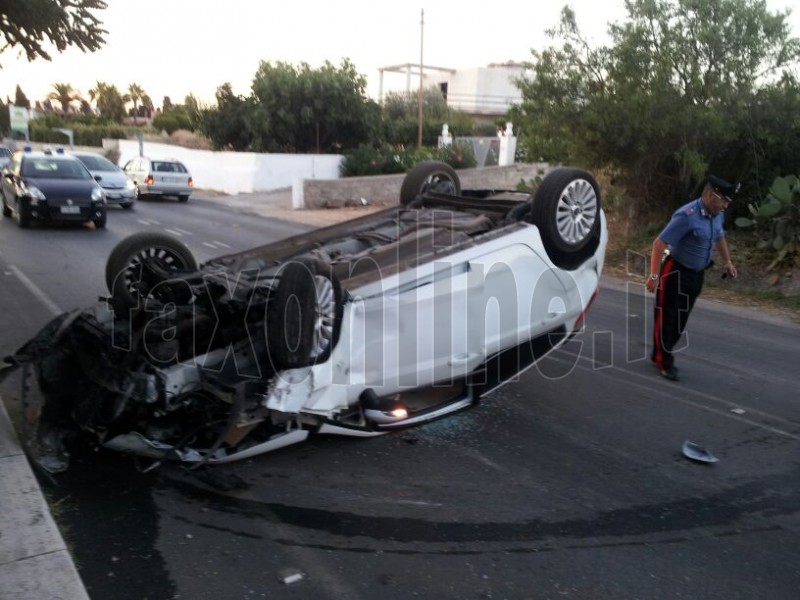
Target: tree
<point>400,123</point>
<point>65,95</point>
<point>110,103</point>
<point>33,23</point>
<point>300,109</point>
<point>193,110</point>
<point>405,105</point>
<point>135,94</point>
<point>226,124</point>
<point>5,119</point>
<point>147,106</point>
<point>20,99</point>
<point>666,102</point>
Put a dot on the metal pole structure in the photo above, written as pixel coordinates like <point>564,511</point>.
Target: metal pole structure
<point>419,93</point>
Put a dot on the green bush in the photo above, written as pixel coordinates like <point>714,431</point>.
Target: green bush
<point>42,130</point>
<point>388,161</point>
<point>777,220</point>
<point>458,155</point>
<point>364,161</point>
<point>172,121</point>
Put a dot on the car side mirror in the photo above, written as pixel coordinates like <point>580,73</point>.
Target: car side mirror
<point>98,178</point>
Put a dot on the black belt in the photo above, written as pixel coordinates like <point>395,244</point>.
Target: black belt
<point>683,267</point>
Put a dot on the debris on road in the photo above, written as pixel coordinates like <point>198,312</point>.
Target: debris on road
<point>698,453</point>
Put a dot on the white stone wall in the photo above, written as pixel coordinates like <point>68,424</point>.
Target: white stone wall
<point>236,172</point>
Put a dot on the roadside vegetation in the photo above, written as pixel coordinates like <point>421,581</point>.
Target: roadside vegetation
<point>682,89</point>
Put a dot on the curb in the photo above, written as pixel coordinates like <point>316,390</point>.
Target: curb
<point>34,560</point>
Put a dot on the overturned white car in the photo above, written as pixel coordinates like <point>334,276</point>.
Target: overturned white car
<point>379,323</point>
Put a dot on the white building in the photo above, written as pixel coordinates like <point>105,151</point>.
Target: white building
<point>481,91</point>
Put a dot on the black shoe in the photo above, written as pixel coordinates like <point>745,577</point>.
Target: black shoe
<point>671,373</point>
<point>655,364</point>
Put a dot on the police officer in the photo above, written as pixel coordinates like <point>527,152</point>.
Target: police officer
<point>681,254</point>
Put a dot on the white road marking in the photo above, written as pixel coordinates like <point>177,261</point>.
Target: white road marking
<point>36,291</point>
<point>183,231</point>
<point>209,245</point>
<point>223,244</point>
<point>174,232</point>
<point>149,222</point>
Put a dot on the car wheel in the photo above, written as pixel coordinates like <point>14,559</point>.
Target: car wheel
<point>566,209</point>
<point>6,210</point>
<point>429,176</point>
<point>138,193</point>
<point>141,261</point>
<point>127,205</point>
<point>100,221</point>
<point>23,218</point>
<point>304,316</point>
<point>183,198</point>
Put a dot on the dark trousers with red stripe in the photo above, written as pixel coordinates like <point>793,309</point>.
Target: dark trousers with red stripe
<point>678,288</point>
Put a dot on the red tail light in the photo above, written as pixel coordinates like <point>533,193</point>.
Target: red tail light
<point>191,183</point>
<point>149,180</point>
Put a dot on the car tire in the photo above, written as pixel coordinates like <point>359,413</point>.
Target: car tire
<point>100,222</point>
<point>429,176</point>
<point>6,209</point>
<point>138,193</point>
<point>566,209</point>
<point>304,315</point>
<point>183,198</point>
<point>164,254</point>
<point>23,218</point>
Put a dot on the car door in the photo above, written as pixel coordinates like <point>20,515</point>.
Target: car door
<point>10,183</point>
<point>132,169</point>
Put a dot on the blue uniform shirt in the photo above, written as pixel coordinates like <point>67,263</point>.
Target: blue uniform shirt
<point>692,234</point>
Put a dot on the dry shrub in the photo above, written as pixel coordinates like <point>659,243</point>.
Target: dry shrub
<point>189,139</point>
<point>112,154</point>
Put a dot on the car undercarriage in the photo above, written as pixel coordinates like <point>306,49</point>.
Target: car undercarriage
<point>256,350</point>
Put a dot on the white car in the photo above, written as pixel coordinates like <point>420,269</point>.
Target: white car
<point>159,177</point>
<point>115,183</point>
<point>380,323</point>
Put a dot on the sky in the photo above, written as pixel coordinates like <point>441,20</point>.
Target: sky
<point>177,47</point>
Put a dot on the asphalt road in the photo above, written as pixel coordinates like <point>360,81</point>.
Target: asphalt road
<point>566,483</point>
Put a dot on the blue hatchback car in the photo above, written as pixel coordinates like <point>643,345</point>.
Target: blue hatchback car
<point>51,187</point>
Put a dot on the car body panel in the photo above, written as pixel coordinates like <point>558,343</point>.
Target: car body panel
<point>440,303</point>
<point>155,177</point>
<point>117,185</point>
<point>70,192</point>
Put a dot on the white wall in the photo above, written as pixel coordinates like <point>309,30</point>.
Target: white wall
<point>236,172</point>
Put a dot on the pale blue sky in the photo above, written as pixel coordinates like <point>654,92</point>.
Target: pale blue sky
<point>175,47</point>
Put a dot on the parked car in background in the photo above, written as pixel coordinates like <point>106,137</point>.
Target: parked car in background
<point>165,177</point>
<point>48,187</point>
<point>118,187</point>
<point>5,156</point>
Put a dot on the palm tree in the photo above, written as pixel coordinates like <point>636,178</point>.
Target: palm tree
<point>147,104</point>
<point>108,100</point>
<point>97,90</point>
<point>135,94</point>
<point>65,95</point>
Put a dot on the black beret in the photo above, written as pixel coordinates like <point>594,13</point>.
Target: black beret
<point>723,186</point>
